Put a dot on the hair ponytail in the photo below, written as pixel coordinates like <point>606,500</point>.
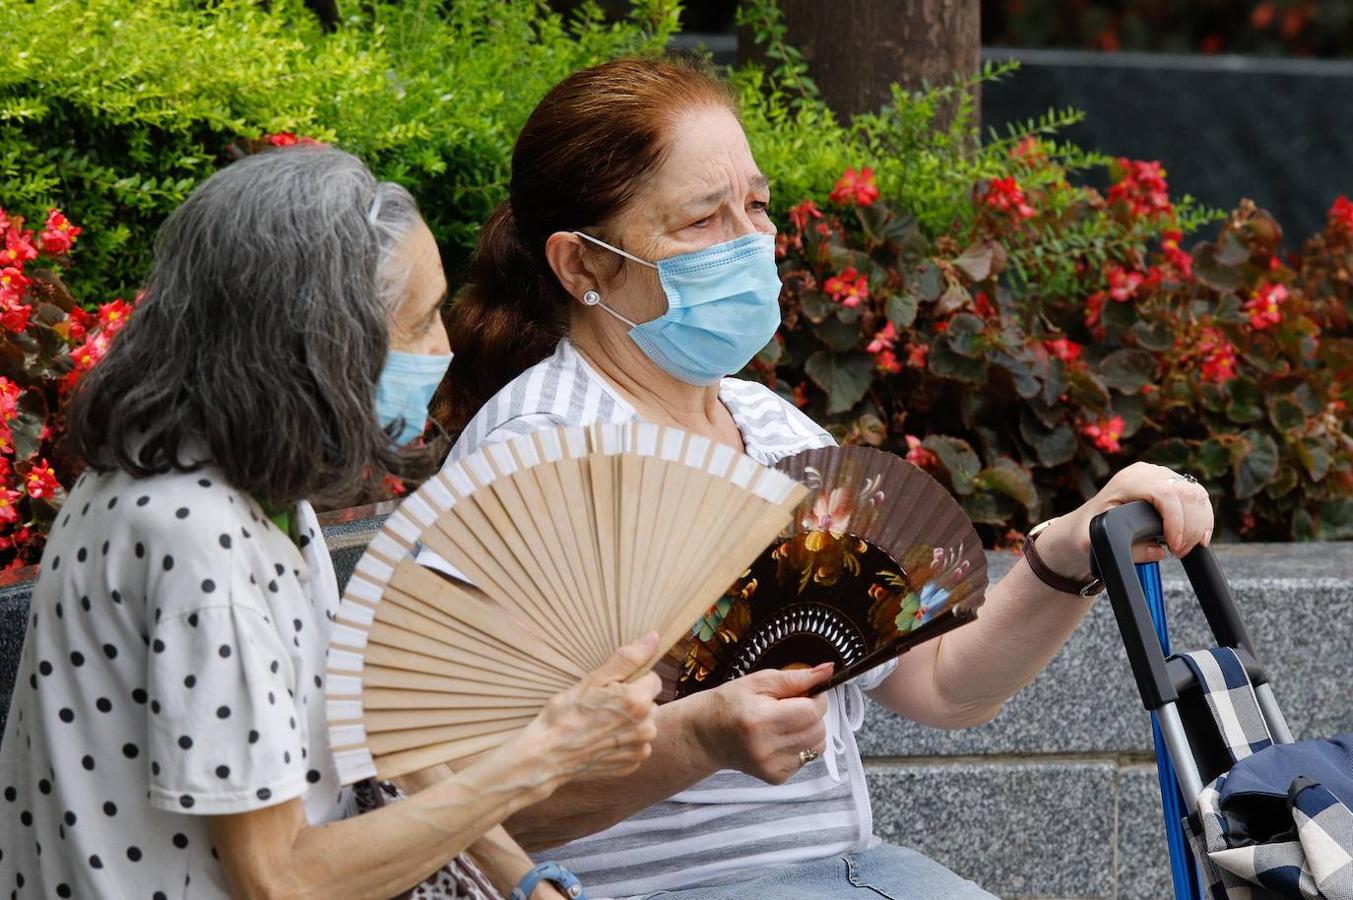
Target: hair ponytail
<point>509,316</point>
<point>581,156</point>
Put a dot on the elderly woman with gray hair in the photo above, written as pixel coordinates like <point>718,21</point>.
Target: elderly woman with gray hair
<point>167,735</point>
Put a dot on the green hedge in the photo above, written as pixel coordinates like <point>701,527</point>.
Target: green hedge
<point>115,109</point>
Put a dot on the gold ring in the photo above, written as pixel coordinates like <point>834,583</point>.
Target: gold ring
<point>807,756</point>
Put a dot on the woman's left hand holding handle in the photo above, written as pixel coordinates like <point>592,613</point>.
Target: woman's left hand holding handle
<point>1184,505</point>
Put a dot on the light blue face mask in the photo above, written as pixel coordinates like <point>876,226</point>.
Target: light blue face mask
<point>723,307</point>
<point>405,388</point>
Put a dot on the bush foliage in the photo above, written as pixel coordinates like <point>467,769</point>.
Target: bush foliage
<point>1033,335</point>
<point>115,109</point>
<point>967,302</point>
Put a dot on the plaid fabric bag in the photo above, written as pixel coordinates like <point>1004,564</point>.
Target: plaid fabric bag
<point>1277,823</point>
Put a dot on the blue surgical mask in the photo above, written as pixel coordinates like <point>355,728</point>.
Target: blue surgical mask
<point>405,389</point>
<point>723,307</point>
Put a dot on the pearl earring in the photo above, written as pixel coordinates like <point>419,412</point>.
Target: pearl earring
<point>591,298</point>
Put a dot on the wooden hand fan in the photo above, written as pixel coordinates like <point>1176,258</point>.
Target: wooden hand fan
<point>564,545</point>
<point>878,558</point>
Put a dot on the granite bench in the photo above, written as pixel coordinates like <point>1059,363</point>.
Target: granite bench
<point>1058,796</point>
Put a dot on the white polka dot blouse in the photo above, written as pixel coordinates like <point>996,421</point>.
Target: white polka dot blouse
<point>173,669</point>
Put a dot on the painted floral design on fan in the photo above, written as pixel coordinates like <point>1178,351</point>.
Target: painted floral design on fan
<point>878,558</point>
<point>698,654</point>
<point>905,603</point>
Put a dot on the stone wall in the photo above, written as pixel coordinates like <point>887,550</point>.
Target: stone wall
<point>1058,796</point>
<point>1224,127</point>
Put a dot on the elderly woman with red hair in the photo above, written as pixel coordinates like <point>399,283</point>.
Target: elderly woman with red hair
<point>629,273</point>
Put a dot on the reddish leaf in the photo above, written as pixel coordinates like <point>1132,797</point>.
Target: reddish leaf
<point>981,260</point>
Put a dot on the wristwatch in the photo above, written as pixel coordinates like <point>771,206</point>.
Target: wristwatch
<point>552,872</point>
<point>1059,583</point>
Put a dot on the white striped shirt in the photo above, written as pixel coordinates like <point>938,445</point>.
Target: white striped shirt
<point>729,827</point>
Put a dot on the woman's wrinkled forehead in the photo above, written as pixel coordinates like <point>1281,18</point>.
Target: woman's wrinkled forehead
<point>707,161</point>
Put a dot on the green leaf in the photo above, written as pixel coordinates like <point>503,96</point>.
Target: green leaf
<point>1263,362</point>
<point>1173,453</point>
<point>841,258</point>
<point>1157,336</point>
<point>869,430</point>
<point>817,306</point>
<point>1011,479</point>
<point>1021,373</point>
<point>965,334</point>
<point>946,363</point>
<point>957,458</point>
<point>928,283</point>
<point>1212,459</point>
<point>904,231</point>
<point>1245,403</point>
<point>1228,309</point>
<point>1132,408</point>
<point>838,335</point>
<point>1214,397</point>
<point>1283,483</point>
<point>988,508</point>
<point>1211,271</point>
<point>1052,446</point>
<point>1127,371</point>
<point>954,298</point>
<point>1120,317</point>
<point>49,315</point>
<point>1285,413</point>
<point>1255,460</point>
<point>1303,525</point>
<point>1085,389</point>
<point>1232,251</point>
<point>1313,458</point>
<point>26,428</point>
<point>981,260</point>
<point>873,220</point>
<point>1054,383</point>
<point>845,377</point>
<point>1309,399</point>
<point>902,309</point>
<point>1336,520</point>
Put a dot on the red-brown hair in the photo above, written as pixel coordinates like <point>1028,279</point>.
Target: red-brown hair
<point>582,155</point>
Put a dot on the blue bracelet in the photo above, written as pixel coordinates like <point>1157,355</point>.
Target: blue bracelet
<point>553,872</point>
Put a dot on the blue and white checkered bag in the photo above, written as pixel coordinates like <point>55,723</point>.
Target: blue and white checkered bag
<point>1277,823</point>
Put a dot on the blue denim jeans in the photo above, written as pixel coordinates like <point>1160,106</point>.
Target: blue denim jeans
<point>884,873</point>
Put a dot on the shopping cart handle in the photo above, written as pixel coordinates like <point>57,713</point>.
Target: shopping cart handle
<point>1112,536</point>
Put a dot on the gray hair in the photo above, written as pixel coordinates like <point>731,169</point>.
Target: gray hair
<point>393,214</point>
<point>261,335</point>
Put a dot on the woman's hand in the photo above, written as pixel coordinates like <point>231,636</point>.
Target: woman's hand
<point>760,723</point>
<point>1184,506</point>
<point>602,725</point>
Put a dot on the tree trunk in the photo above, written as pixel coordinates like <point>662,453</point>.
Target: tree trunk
<point>326,11</point>
<point>856,49</point>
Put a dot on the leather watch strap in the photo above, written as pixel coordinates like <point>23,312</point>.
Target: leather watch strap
<point>1059,583</point>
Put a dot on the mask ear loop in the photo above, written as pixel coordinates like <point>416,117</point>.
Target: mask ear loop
<point>629,256</point>
<point>592,298</point>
